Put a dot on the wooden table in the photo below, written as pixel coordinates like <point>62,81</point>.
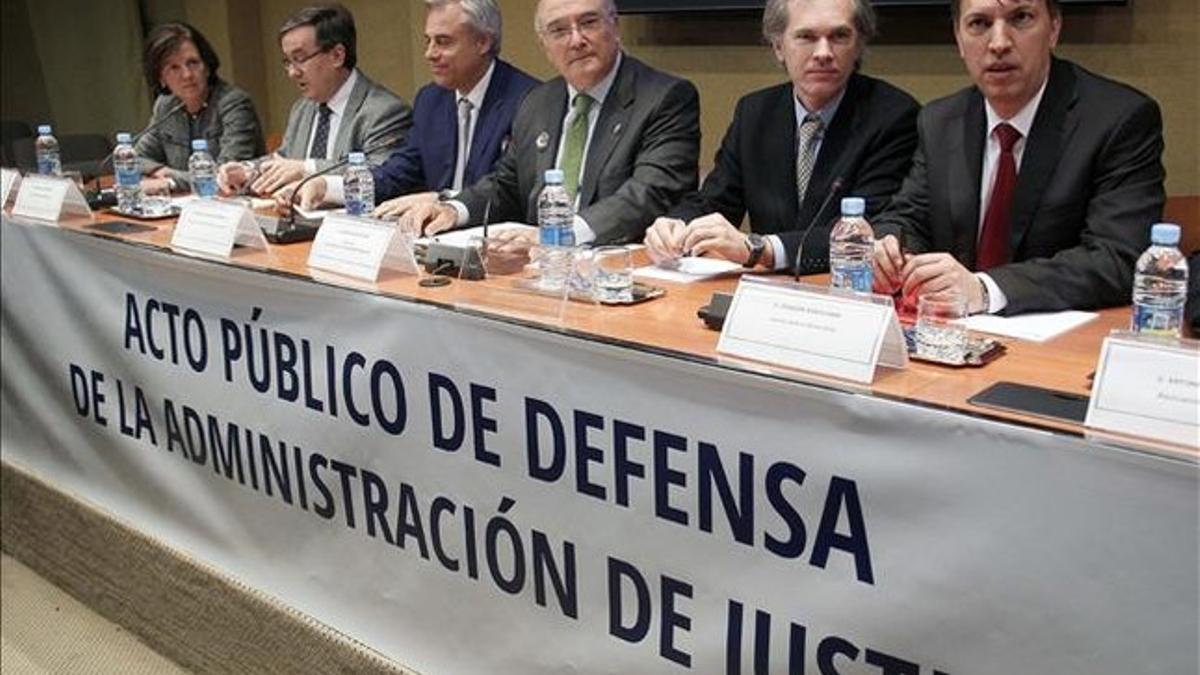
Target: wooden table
<point>671,327</point>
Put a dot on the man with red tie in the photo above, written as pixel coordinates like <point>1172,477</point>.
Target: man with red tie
<point>1032,190</point>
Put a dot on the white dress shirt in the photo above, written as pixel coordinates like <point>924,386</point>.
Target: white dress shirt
<point>826,114</point>
<point>335,192</point>
<point>1022,122</point>
<point>337,104</point>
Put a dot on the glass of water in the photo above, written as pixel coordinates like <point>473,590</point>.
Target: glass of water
<point>612,274</point>
<point>156,199</point>
<point>941,333</point>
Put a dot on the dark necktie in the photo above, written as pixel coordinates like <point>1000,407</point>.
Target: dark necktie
<point>995,239</point>
<point>318,150</point>
<point>806,154</point>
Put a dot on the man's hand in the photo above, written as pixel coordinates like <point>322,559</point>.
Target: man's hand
<point>664,240</point>
<point>513,241</point>
<point>283,197</point>
<point>941,276</point>
<point>312,195</point>
<point>395,209</point>
<point>889,265</point>
<point>156,185</point>
<point>714,236</point>
<point>232,177</point>
<point>275,173</point>
<point>430,218</point>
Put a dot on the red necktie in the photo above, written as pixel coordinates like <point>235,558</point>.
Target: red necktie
<point>997,224</point>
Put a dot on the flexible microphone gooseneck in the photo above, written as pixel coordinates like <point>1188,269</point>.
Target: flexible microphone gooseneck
<point>834,188</point>
<point>290,221</point>
<point>134,139</point>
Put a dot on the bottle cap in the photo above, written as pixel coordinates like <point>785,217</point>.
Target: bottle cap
<point>358,158</point>
<point>1164,234</point>
<point>853,206</point>
<point>43,129</point>
<point>200,144</point>
<point>124,137</point>
<point>554,177</point>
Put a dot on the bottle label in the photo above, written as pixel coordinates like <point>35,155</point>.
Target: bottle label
<point>129,177</point>
<point>857,278</point>
<point>1164,321</point>
<point>205,186</point>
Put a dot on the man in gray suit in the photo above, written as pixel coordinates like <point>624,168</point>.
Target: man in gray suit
<point>626,136</point>
<point>339,110</point>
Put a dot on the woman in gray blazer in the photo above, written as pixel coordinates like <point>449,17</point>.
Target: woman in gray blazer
<point>192,102</point>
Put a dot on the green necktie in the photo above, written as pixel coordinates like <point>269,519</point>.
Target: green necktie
<point>572,157</point>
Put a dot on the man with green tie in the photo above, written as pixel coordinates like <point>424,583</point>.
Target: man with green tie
<point>626,136</point>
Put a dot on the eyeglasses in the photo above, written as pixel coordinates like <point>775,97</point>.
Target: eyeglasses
<point>298,62</point>
<point>588,25</point>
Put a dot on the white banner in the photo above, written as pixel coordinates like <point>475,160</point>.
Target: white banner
<point>468,495</point>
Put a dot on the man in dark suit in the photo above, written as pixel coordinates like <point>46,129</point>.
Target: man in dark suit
<point>461,122</point>
<point>1039,183</point>
<point>788,144</point>
<point>626,136</point>
<point>339,110</point>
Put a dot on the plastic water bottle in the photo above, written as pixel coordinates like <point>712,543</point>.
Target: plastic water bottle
<point>49,161</point>
<point>1160,284</point>
<point>556,232</point>
<point>129,174</point>
<point>359,186</point>
<point>203,170</point>
<point>851,248</point>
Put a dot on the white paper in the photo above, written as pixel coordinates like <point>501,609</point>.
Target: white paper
<point>1148,388</point>
<point>808,328</point>
<point>211,227</point>
<point>690,269</point>
<point>41,197</point>
<point>463,237</point>
<point>1037,327</point>
<point>356,247</point>
<point>9,178</point>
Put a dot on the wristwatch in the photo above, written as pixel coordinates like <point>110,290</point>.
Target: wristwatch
<point>755,244</point>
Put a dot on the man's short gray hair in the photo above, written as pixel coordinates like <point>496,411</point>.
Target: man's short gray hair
<point>610,10</point>
<point>482,15</point>
<point>775,20</point>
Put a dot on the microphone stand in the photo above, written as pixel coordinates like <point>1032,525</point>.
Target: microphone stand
<point>834,188</point>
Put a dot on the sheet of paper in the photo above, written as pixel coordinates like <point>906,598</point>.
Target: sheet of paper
<point>689,270</point>
<point>463,237</point>
<point>1037,327</point>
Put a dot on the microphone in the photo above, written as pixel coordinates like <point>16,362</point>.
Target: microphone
<point>834,188</point>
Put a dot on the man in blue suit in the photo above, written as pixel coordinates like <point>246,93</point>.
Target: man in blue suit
<point>461,121</point>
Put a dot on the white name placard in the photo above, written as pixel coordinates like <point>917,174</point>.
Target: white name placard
<point>50,198</point>
<point>1148,388</point>
<point>361,248</point>
<point>9,178</point>
<point>212,227</point>
<point>811,328</point>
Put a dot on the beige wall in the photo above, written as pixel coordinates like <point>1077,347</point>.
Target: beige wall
<point>1153,45</point>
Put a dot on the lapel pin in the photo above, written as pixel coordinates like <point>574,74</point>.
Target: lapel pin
<point>617,128</point>
<point>543,141</point>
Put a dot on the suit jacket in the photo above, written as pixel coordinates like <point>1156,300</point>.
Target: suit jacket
<point>229,124</point>
<point>869,144</point>
<point>641,159</point>
<point>1089,186</point>
<point>375,119</point>
<point>426,161</point>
